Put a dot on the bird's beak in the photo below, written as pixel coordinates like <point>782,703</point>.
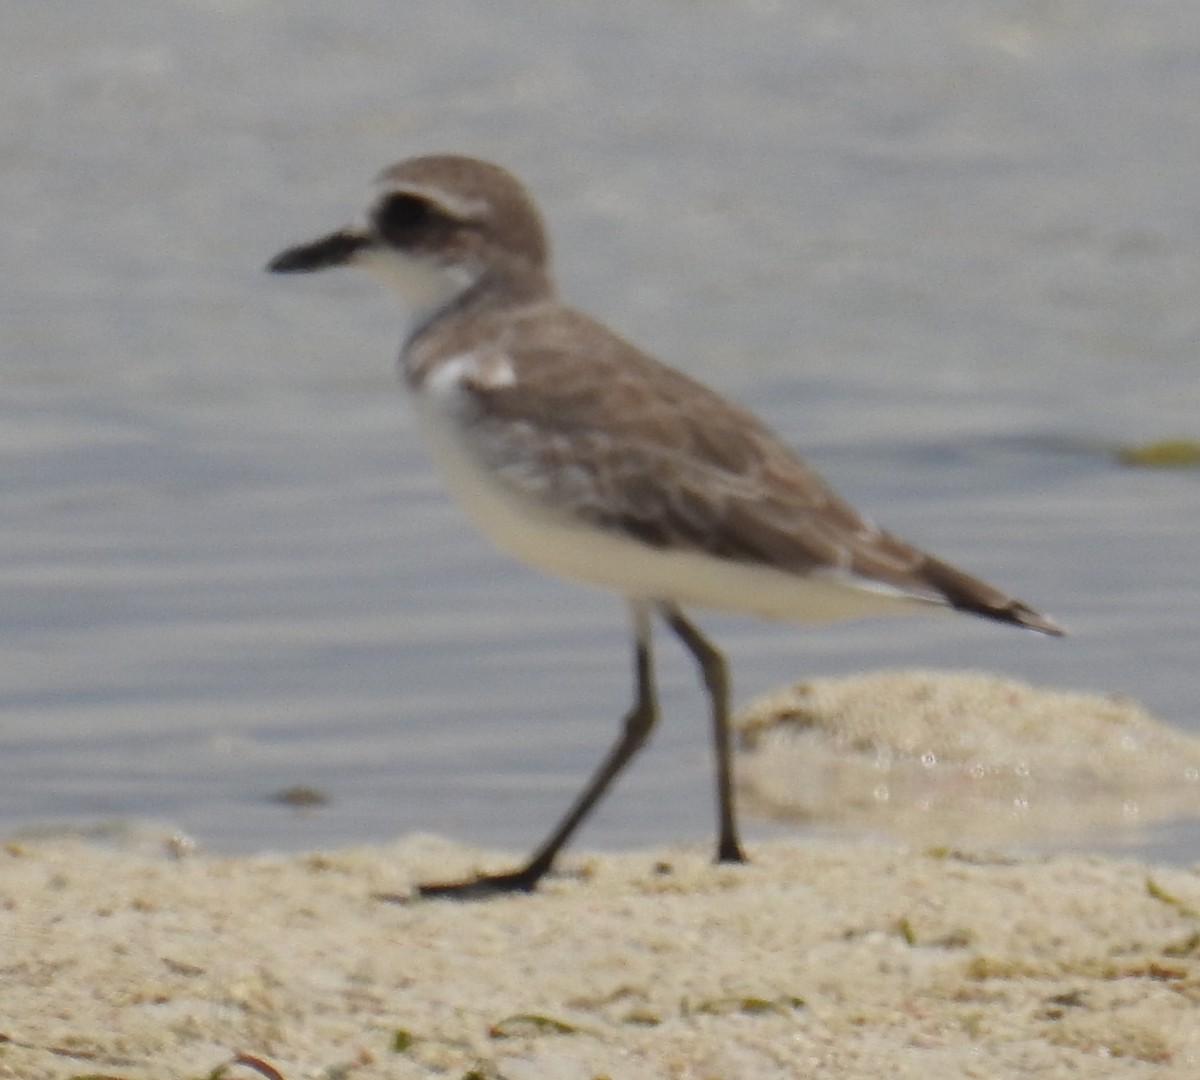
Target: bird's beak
<point>336,249</point>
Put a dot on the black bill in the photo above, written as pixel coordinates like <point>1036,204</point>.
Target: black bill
<point>336,249</point>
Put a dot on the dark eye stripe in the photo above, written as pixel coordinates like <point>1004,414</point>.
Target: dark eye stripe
<point>400,217</point>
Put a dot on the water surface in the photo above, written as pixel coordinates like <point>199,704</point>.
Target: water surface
<point>949,250</point>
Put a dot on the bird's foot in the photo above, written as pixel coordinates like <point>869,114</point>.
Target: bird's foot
<point>484,886</point>
<point>730,851</point>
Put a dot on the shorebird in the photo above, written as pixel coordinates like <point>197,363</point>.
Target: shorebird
<point>579,454</point>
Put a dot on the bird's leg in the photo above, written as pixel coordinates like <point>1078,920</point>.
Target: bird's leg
<point>639,722</point>
<point>716,681</point>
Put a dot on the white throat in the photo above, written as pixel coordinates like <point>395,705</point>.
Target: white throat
<point>423,287</point>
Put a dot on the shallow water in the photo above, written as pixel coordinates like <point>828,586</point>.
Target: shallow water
<point>950,251</point>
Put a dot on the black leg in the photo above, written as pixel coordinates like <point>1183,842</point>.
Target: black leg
<point>716,680</point>
<point>637,727</point>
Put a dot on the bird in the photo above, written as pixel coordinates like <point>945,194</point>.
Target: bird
<point>581,455</point>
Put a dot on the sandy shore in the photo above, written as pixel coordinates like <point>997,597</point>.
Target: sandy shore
<point>814,960</point>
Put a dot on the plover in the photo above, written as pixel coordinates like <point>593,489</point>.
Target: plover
<point>581,455</point>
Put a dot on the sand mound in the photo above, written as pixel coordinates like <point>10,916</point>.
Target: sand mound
<point>963,758</point>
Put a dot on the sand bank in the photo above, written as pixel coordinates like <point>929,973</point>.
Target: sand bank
<point>814,960</point>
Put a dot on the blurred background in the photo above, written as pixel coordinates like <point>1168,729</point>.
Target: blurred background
<point>949,250</point>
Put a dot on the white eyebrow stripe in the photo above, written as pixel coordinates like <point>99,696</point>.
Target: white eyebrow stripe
<point>459,206</point>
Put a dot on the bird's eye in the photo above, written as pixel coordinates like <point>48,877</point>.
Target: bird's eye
<point>400,216</point>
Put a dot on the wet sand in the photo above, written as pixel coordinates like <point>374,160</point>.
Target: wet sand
<point>954,757</point>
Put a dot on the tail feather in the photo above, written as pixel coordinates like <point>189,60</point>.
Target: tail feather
<point>967,593</point>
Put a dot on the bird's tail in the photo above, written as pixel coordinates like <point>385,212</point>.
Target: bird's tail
<point>967,593</point>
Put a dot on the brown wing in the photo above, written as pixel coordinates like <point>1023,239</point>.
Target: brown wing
<point>604,432</point>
